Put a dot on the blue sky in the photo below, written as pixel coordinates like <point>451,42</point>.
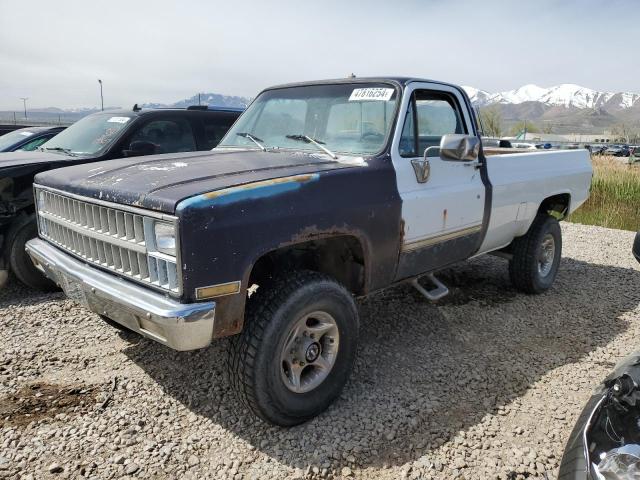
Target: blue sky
<point>159,50</point>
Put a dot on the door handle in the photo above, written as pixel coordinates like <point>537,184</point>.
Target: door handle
<point>422,169</point>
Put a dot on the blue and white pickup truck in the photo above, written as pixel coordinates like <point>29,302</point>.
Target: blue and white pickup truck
<point>319,193</point>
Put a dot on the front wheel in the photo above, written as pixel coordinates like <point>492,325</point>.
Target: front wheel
<point>297,348</point>
<point>536,256</point>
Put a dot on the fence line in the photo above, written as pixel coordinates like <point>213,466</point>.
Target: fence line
<point>35,122</point>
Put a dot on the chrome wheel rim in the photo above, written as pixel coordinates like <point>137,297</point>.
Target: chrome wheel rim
<point>546,255</point>
<point>309,352</point>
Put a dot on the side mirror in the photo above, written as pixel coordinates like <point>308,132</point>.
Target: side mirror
<point>140,148</point>
<point>459,147</point>
<point>462,148</point>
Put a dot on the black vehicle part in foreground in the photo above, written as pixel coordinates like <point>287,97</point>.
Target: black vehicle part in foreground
<point>636,247</point>
<point>605,441</point>
<point>97,137</point>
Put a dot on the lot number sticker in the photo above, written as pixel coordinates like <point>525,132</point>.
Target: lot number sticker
<point>118,120</point>
<point>363,94</point>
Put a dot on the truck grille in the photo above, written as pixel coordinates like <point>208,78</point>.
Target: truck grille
<point>109,237</point>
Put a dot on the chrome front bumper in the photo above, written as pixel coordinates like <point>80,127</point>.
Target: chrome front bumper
<point>181,326</point>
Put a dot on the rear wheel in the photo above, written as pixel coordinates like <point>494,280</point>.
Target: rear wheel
<point>536,256</point>
<point>20,261</point>
<point>297,348</point>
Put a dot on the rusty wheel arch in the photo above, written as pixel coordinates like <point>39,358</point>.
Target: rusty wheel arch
<point>344,256</point>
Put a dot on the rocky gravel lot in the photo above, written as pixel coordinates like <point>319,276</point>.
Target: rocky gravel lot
<point>485,384</point>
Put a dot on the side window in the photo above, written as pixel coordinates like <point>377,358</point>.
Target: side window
<point>168,135</point>
<point>436,114</point>
<point>33,144</point>
<point>214,129</point>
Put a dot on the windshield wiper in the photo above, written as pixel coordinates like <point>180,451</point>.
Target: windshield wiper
<point>254,139</point>
<point>60,149</point>
<point>308,139</point>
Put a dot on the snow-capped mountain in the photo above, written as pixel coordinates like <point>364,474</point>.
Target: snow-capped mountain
<point>566,95</point>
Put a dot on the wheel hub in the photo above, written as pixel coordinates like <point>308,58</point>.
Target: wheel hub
<point>309,352</point>
<point>546,255</point>
<point>312,353</point>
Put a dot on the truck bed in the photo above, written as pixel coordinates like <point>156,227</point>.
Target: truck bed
<point>521,180</point>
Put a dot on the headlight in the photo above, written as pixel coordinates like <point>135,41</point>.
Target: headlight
<point>165,236</point>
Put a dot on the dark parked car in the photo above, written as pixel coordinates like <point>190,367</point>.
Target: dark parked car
<point>27,139</point>
<point>617,151</point>
<point>636,247</point>
<point>97,137</point>
<point>598,149</point>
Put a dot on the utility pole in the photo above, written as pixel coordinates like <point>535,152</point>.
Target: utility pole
<point>198,99</point>
<point>101,97</point>
<point>24,102</point>
<point>525,130</point>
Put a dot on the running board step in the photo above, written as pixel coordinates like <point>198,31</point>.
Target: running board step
<point>437,293</point>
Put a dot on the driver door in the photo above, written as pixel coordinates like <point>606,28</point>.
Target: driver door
<point>443,216</point>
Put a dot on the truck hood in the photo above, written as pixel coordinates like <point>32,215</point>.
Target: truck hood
<point>160,182</point>
<point>18,159</point>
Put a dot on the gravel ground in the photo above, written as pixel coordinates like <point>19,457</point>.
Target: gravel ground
<point>485,384</point>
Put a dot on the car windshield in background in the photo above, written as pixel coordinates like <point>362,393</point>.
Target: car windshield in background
<point>352,119</point>
<point>88,135</point>
<point>9,139</point>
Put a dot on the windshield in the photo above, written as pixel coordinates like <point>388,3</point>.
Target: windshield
<point>352,119</point>
<point>9,139</point>
<point>88,135</point>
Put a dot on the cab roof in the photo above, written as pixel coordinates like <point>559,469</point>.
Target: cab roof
<point>400,81</point>
<point>147,111</point>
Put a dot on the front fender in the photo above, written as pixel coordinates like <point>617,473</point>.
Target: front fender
<point>223,233</point>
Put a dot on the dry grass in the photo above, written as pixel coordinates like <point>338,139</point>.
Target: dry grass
<point>615,195</point>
